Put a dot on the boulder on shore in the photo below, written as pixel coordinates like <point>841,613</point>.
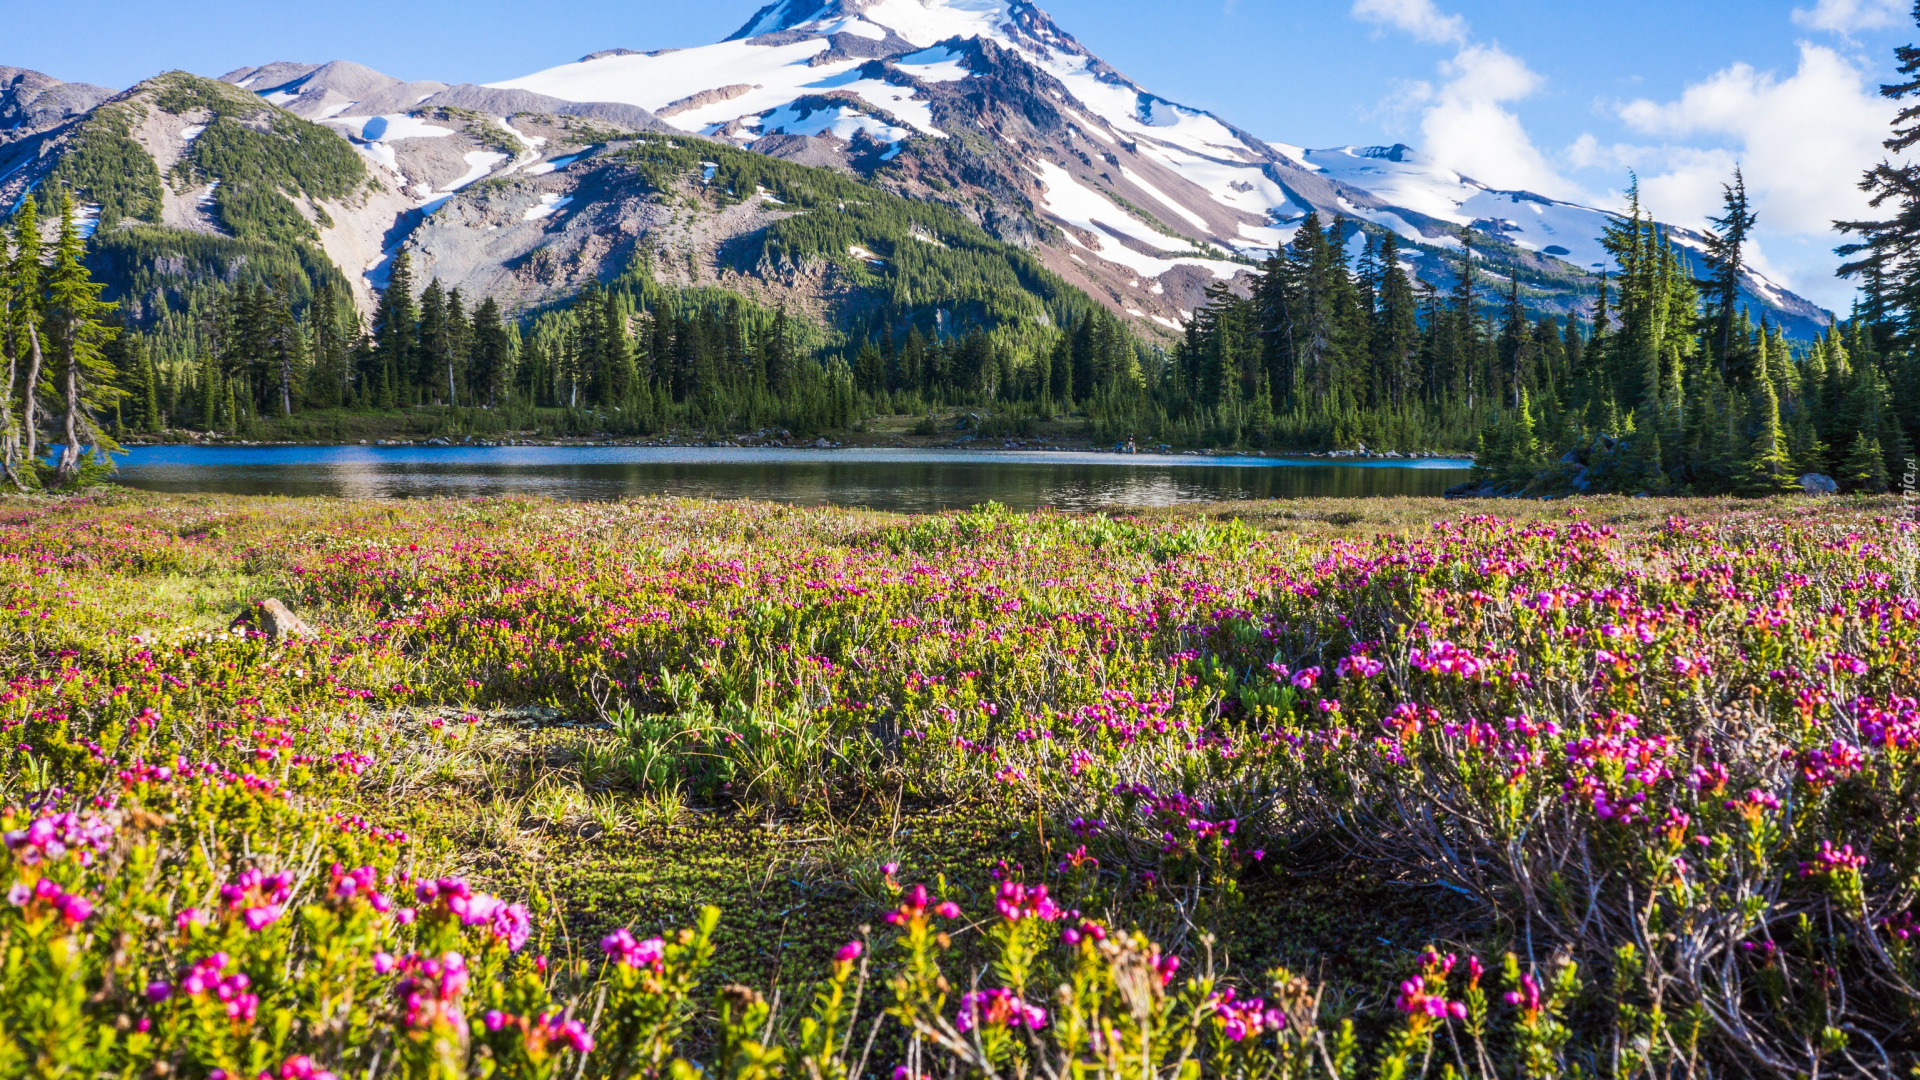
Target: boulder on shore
<point>1478,489</point>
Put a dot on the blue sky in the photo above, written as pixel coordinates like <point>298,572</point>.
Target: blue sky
<point>1557,97</point>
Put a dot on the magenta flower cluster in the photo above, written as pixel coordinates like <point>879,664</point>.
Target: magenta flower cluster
<point>55,836</point>
<point>510,923</point>
<point>73,908</point>
<point>998,1007</point>
<point>621,948</point>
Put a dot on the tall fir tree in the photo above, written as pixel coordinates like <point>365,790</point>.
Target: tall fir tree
<point>1726,261</point>
<point>491,366</point>
<point>17,304</point>
<point>77,328</point>
<point>1865,467</point>
<point>459,351</point>
<point>1765,470</point>
<point>28,302</point>
<point>395,326</point>
<point>1396,327</point>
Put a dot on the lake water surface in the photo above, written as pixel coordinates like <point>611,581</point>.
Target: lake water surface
<point>901,480</point>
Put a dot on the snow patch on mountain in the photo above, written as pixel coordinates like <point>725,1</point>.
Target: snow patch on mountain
<point>1402,177</point>
<point>545,167</point>
<point>766,85</point>
<point>778,74</point>
<point>777,16</point>
<point>549,205</point>
<point>896,100</point>
<point>935,65</point>
<point>393,127</point>
<point>1089,211</point>
<point>840,122</point>
<point>480,165</point>
<point>928,22</point>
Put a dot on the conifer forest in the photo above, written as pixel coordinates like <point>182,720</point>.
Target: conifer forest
<point>1665,385</point>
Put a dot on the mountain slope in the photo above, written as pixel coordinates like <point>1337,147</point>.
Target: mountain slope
<point>191,181</point>
<point>989,106</point>
<point>984,108</point>
<point>31,102</point>
<point>688,213</point>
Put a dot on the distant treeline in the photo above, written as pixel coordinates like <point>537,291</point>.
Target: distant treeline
<point>1666,387</point>
<point>631,357</point>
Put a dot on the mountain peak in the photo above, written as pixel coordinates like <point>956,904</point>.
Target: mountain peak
<point>31,102</point>
<point>958,18</point>
<point>1142,200</point>
<point>921,23</point>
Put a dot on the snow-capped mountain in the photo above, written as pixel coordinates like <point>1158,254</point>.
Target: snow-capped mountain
<point>1149,199</point>
<point>986,107</point>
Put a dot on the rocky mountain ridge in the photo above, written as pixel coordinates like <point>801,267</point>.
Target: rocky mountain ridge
<point>984,107</point>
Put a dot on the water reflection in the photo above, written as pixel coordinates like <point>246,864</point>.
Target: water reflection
<point>904,480</point>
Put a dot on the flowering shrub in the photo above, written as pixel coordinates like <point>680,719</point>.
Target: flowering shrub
<point>1677,761</point>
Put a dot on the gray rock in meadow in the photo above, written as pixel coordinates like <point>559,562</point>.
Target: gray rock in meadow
<point>1815,483</point>
<point>277,621</point>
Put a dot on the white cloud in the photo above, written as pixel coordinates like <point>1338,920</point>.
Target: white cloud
<point>1465,124</point>
<point>1417,17</point>
<point>1468,128</point>
<point>1847,16</point>
<point>1803,141</point>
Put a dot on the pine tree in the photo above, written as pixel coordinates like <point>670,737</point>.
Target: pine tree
<point>1865,468</point>
<point>77,327</point>
<point>1525,458</point>
<point>394,328</point>
<point>780,357</point>
<point>332,371</point>
<point>1765,470</point>
<point>869,368</point>
<point>1882,254</point>
<point>1725,258</point>
<point>433,351</point>
<point>459,351</point>
<point>209,391</point>
<point>16,303</point>
<point>490,369</point>
<point>26,301</point>
<point>1060,371</point>
<point>1900,459</point>
<point>150,389</point>
<point>1514,344</point>
<point>286,348</point>
<point>1396,327</point>
<point>1460,338</point>
<point>1809,454</point>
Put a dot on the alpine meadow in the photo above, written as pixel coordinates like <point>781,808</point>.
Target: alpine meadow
<point>1606,766</point>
